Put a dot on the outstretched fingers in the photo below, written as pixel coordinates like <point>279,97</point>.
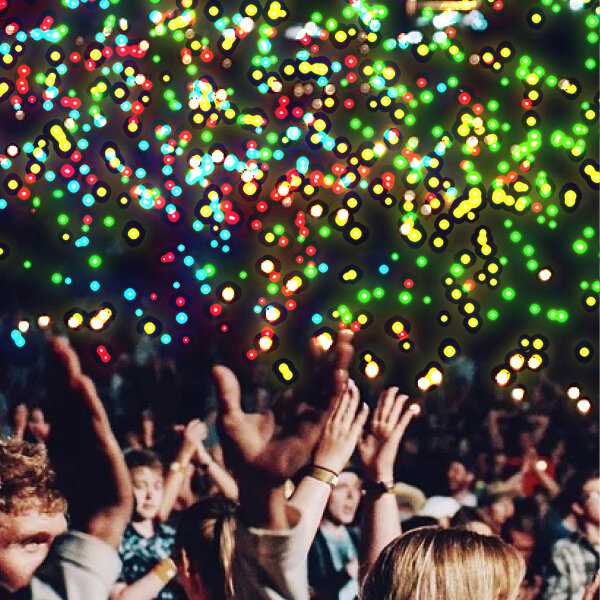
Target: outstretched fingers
<point>412,411</point>
<point>360,421</point>
<point>386,404</point>
<point>398,405</point>
<point>344,351</point>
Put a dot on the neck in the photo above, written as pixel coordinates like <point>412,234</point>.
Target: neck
<point>330,525</point>
<point>145,527</point>
<point>591,532</point>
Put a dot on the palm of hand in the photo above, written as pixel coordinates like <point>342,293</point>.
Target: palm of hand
<point>253,447</point>
<point>368,448</point>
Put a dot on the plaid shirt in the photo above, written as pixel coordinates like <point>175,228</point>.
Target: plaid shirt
<point>573,565</point>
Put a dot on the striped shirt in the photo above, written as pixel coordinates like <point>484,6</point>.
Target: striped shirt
<point>573,565</point>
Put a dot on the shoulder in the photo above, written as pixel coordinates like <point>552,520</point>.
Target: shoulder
<point>565,547</point>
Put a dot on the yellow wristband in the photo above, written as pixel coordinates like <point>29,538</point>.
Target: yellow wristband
<point>177,467</point>
<point>165,570</point>
<point>324,475</point>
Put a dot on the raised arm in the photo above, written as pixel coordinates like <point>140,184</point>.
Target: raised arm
<point>92,473</point>
<point>193,434</point>
<point>262,458</point>
<point>220,476</point>
<point>89,463</point>
<point>341,433</point>
<point>378,450</point>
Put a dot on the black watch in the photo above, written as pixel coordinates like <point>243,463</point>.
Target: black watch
<point>381,487</point>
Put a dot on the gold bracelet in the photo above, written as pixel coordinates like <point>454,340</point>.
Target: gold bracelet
<point>325,475</point>
<point>177,467</point>
<point>165,570</point>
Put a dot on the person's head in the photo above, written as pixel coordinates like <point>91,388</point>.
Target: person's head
<point>582,492</point>
<point>204,549</point>
<point>344,499</point>
<point>445,564</point>
<point>522,537</point>
<point>146,472</point>
<point>32,511</point>
<point>458,477</point>
<point>498,464</point>
<point>468,518</point>
<point>497,507</point>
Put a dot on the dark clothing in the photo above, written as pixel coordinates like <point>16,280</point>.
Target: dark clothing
<point>325,580</point>
<point>139,555</point>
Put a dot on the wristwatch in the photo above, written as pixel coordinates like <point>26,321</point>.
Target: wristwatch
<point>379,487</point>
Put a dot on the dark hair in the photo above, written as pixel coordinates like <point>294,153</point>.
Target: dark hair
<point>465,515</point>
<point>418,521</point>
<point>573,490</point>
<point>142,458</point>
<point>206,531</point>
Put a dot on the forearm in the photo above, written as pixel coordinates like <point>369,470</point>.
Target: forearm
<point>148,586</point>
<point>173,484</point>
<point>381,525</point>
<point>18,434</point>
<point>223,480</point>
<point>495,435</point>
<point>310,498</point>
<point>549,483</point>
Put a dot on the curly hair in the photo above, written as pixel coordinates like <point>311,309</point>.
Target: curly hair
<point>27,481</point>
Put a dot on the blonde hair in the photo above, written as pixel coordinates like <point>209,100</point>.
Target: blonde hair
<point>436,564</point>
<point>207,533</point>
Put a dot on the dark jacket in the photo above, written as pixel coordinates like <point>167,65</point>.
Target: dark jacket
<point>325,581</point>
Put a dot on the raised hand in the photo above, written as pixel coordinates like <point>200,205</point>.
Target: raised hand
<point>250,447</point>
<point>378,449</point>
<point>194,433</point>
<point>342,430</point>
<point>254,444</point>
<point>88,461</point>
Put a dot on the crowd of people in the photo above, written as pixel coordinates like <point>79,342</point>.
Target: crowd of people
<point>244,494</point>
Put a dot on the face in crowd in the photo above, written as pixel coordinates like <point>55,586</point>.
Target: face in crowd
<point>588,508</point>
<point>32,512</point>
<point>458,477</point>
<point>502,510</point>
<point>148,489</point>
<point>345,498</point>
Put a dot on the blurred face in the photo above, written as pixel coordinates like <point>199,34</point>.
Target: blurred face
<point>344,499</point>
<point>524,543</point>
<point>25,540</point>
<point>499,463</point>
<point>147,491</point>
<point>502,510</point>
<point>591,501</point>
<point>458,477</point>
